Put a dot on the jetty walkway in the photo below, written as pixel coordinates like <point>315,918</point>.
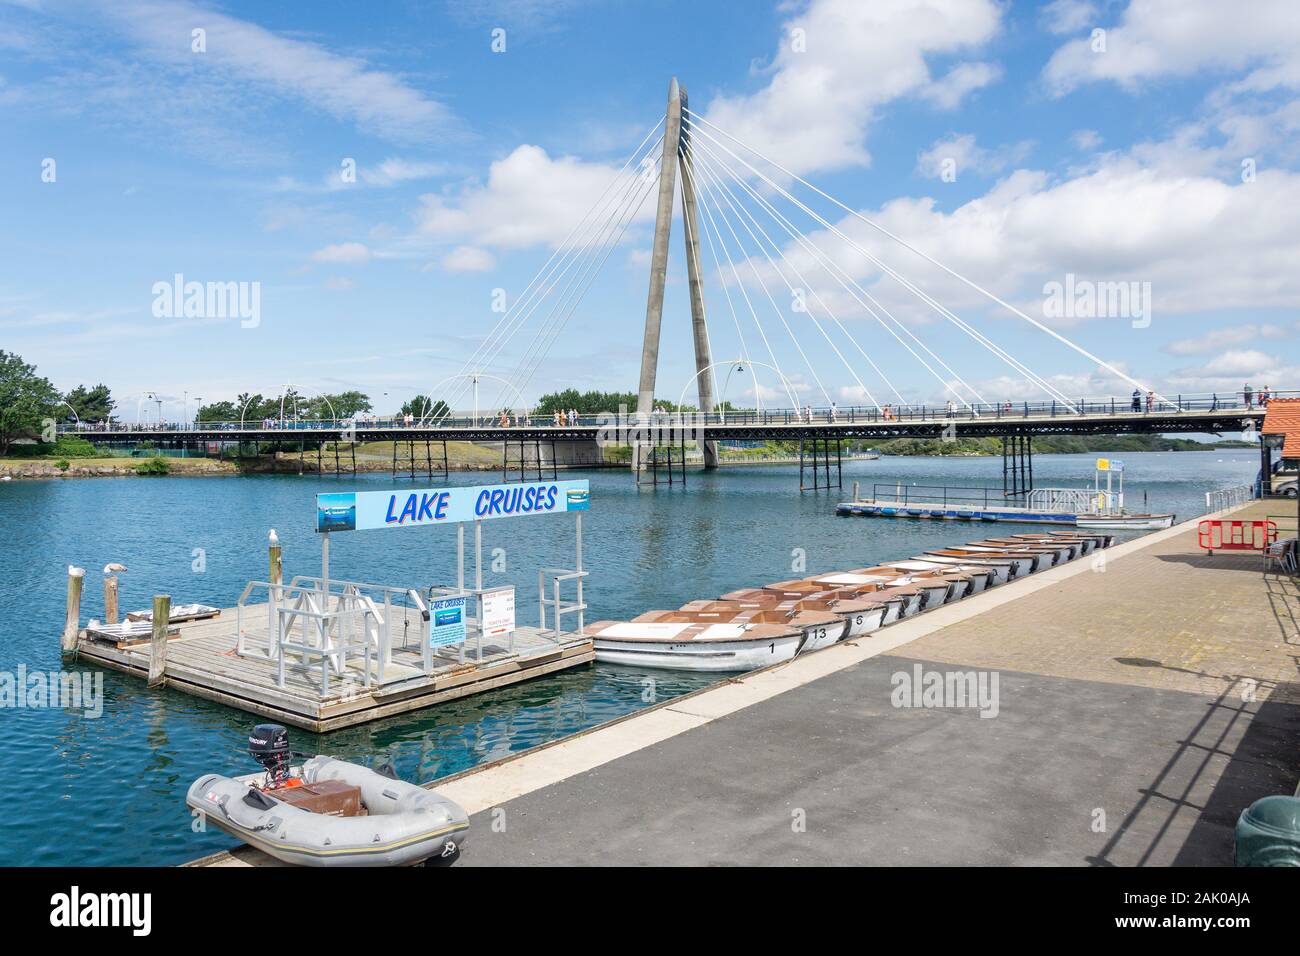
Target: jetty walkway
<point>1144,696</point>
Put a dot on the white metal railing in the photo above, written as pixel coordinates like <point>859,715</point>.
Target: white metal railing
<point>1228,497</point>
<point>384,594</point>
<point>1065,500</point>
<point>245,646</point>
<point>558,607</point>
<point>330,627</point>
<point>349,630</point>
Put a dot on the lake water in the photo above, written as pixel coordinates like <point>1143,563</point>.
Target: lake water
<point>110,791</point>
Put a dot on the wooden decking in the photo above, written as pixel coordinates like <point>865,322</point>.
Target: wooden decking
<point>202,661</point>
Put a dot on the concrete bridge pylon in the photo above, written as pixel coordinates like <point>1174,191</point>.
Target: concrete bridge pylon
<point>676,133</point>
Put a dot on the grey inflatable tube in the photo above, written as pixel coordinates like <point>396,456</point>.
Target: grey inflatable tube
<point>405,824</point>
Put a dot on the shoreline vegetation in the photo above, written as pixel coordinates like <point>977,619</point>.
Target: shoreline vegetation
<point>77,458</point>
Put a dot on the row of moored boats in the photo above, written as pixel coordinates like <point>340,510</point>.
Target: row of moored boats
<point>755,627</point>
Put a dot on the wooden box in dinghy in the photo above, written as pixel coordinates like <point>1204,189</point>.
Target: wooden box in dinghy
<point>333,798</point>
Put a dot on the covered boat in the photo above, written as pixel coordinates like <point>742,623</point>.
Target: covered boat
<point>819,628</point>
<point>1139,521</point>
<point>694,645</point>
<point>1004,566</point>
<point>328,812</point>
<point>862,616</point>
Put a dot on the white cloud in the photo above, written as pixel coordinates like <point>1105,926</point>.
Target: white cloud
<point>968,156</point>
<point>393,171</point>
<point>530,198</point>
<point>814,111</point>
<point>1068,16</point>
<point>1158,38</point>
<point>1220,339</point>
<point>340,284</point>
<point>1201,243</point>
<point>1086,139</point>
<point>240,52</point>
<point>1229,371</point>
<point>959,82</point>
<point>343,252</point>
<point>469,259</point>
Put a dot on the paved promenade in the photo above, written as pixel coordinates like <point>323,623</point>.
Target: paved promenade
<point>1144,697</point>
<point>1142,703</point>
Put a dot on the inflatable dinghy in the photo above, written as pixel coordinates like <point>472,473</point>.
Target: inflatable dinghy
<point>328,812</point>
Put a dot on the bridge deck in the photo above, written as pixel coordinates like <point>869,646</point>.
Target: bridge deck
<point>774,427</point>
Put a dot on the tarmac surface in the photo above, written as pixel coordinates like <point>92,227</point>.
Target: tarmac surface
<point>1140,706</point>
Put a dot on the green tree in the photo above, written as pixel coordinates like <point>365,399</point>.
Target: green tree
<point>219,412</point>
<point>94,404</point>
<point>26,400</point>
<point>590,403</point>
<point>343,405</point>
<point>422,406</point>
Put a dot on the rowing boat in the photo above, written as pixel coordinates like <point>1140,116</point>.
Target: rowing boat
<point>697,646</point>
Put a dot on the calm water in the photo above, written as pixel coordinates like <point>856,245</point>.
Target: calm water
<point>111,790</point>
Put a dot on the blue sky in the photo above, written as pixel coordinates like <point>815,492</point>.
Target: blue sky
<point>1123,164</point>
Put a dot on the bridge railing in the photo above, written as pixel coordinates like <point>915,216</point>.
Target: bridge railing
<point>938,494</point>
<point>1216,501</point>
<point>820,414</point>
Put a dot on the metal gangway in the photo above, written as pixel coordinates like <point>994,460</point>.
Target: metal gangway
<point>331,625</point>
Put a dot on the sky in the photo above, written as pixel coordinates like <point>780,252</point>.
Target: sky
<point>387,186</point>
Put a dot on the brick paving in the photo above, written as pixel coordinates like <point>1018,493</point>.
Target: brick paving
<point>1167,616</point>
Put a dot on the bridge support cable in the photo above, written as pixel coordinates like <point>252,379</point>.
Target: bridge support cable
<point>561,252</point>
<point>576,269</point>
<point>713,235</point>
<point>849,285</point>
<point>717,265</point>
<point>911,287</point>
<point>566,251</point>
<point>740,246</point>
<point>1101,363</point>
<point>711,223</point>
<point>695,277</point>
<point>573,296</point>
<point>717,181</point>
<point>836,271</point>
<point>795,235</point>
<point>915,290</point>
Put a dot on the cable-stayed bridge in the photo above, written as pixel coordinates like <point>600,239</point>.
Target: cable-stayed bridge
<point>809,293</point>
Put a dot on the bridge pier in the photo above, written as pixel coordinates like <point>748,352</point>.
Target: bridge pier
<point>522,465</point>
<point>815,454</point>
<point>659,463</point>
<point>1017,465</point>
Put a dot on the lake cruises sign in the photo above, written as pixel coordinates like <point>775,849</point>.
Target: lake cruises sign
<point>366,510</point>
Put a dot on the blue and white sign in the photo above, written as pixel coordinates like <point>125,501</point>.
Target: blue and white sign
<point>447,621</point>
<point>365,510</point>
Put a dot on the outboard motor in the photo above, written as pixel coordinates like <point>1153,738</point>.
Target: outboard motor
<point>268,744</point>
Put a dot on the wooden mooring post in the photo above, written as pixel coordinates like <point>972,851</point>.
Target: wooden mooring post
<point>110,591</point>
<point>162,612</point>
<point>72,623</point>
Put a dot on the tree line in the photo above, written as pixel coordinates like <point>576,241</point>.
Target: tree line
<point>29,400</point>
